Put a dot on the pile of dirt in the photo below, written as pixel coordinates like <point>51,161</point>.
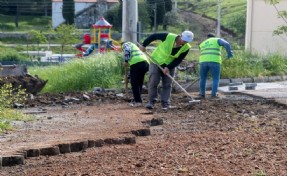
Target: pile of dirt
<point>65,99</point>
<point>32,84</point>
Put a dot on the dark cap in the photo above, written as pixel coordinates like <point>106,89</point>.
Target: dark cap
<point>210,35</point>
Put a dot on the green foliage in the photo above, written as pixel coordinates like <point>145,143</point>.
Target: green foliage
<point>26,23</point>
<point>69,11</point>
<point>161,7</point>
<point>10,54</point>
<point>172,19</point>
<point>103,70</point>
<point>245,64</point>
<point>9,96</point>
<point>260,173</point>
<point>238,24</point>
<point>231,11</point>
<point>67,34</point>
<point>144,14</point>
<point>35,36</point>
<point>281,14</point>
<point>114,15</point>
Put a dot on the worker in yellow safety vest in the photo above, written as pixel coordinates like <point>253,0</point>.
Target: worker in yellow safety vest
<point>168,54</point>
<point>210,61</point>
<point>138,63</point>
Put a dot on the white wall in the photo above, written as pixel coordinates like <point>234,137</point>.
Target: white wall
<point>262,20</point>
<point>57,17</point>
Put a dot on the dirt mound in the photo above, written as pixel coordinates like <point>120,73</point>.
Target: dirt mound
<point>32,84</point>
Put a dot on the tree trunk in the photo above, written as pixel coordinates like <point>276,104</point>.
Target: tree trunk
<point>17,16</point>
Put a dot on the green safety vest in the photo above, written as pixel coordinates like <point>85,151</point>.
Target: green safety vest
<point>136,55</point>
<point>162,54</point>
<point>210,51</point>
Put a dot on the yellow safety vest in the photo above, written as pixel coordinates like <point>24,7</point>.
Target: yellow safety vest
<point>162,54</point>
<point>136,55</point>
<point>210,51</point>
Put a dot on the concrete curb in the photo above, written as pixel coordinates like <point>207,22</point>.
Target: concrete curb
<point>225,82</point>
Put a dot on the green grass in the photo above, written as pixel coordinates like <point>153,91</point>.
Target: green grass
<point>246,65</point>
<point>26,23</point>
<point>102,70</point>
<point>233,13</point>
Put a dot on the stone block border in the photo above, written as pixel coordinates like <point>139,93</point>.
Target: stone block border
<point>78,146</point>
<point>20,156</point>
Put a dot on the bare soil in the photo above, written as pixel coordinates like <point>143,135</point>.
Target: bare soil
<point>234,135</point>
<point>32,84</point>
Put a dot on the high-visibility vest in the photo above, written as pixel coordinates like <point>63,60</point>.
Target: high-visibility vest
<point>162,54</point>
<point>210,51</point>
<point>136,55</point>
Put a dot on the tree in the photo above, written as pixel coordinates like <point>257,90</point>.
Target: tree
<point>114,15</point>
<point>37,37</point>
<point>67,34</point>
<point>14,6</point>
<point>171,18</point>
<point>25,7</point>
<point>69,11</point>
<point>158,8</point>
<point>281,14</point>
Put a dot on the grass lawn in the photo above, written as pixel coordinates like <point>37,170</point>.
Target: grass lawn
<point>26,23</point>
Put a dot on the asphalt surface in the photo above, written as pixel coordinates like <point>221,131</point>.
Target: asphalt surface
<point>276,91</point>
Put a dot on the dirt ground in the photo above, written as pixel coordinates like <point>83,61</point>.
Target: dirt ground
<point>235,135</point>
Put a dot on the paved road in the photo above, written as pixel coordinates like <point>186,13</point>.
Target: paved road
<point>273,90</point>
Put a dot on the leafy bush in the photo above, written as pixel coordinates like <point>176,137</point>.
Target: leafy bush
<point>244,64</point>
<point>7,54</point>
<point>9,96</point>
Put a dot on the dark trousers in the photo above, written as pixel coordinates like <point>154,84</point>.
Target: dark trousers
<point>137,73</point>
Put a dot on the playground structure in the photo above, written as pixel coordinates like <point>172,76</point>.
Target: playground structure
<point>100,41</point>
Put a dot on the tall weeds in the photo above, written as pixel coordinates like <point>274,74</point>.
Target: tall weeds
<point>103,70</point>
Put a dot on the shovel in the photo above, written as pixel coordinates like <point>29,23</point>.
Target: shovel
<point>126,80</point>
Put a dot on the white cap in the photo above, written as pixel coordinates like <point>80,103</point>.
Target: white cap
<point>187,36</point>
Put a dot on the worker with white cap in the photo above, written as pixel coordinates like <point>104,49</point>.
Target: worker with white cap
<point>168,54</point>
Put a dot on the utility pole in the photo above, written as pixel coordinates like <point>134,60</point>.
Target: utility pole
<point>154,20</point>
<point>174,6</point>
<point>218,18</point>
<point>130,20</point>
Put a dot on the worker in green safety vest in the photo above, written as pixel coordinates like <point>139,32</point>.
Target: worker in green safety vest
<point>168,54</point>
<point>138,63</point>
<point>210,61</point>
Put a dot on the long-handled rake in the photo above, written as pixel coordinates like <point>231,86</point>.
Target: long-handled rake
<point>168,75</point>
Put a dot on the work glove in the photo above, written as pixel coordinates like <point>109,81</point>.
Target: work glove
<point>230,55</point>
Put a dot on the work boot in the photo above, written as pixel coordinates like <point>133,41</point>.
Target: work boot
<point>135,104</point>
<point>216,97</point>
<point>200,97</point>
<point>165,108</point>
<point>149,105</point>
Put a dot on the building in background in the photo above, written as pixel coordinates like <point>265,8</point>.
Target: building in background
<point>262,20</point>
<point>87,12</point>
